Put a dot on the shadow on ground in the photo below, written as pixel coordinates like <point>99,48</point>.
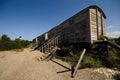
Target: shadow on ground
<point>68,69</point>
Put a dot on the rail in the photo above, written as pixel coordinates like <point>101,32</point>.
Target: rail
<point>49,45</point>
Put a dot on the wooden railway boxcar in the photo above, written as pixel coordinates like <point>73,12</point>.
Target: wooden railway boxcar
<point>85,26</point>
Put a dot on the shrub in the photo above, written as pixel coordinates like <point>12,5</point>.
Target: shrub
<point>97,57</point>
<point>89,61</point>
<point>117,40</point>
<point>102,37</point>
<point>7,44</point>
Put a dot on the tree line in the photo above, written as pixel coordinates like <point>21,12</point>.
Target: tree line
<point>7,44</point>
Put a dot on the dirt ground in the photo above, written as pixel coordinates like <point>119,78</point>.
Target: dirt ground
<point>26,66</point>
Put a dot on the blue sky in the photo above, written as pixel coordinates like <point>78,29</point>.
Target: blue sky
<point>30,18</point>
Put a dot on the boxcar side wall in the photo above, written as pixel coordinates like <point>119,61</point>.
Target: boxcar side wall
<point>86,26</point>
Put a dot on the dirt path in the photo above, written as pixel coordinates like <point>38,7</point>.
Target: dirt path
<point>25,66</point>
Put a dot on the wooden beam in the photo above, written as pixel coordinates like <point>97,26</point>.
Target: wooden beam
<point>78,64</point>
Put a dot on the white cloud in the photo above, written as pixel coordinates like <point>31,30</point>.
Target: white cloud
<point>109,27</point>
<point>114,34</point>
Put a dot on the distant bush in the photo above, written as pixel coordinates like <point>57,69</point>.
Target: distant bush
<point>102,37</point>
<point>117,40</point>
<point>7,44</point>
<point>113,40</point>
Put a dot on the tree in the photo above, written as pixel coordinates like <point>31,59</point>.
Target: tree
<point>5,37</point>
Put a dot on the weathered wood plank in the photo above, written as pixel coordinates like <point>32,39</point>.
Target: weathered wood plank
<point>78,64</point>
